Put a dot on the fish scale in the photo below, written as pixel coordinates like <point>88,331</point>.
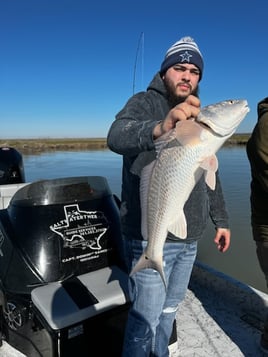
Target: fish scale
<point>178,172</point>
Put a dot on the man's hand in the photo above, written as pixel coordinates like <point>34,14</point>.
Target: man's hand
<point>190,108</point>
<point>223,239</point>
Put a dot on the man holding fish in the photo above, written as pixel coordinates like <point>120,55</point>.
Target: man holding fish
<point>161,219</point>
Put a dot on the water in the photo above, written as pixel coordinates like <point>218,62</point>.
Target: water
<point>79,163</point>
<point>239,261</point>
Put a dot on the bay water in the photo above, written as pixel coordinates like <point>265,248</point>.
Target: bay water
<point>239,261</point>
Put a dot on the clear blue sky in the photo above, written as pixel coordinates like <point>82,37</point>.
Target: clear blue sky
<point>67,66</point>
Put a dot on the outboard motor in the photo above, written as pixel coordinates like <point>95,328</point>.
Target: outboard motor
<point>11,166</point>
<point>63,286</point>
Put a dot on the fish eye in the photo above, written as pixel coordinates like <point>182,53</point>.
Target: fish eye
<point>231,101</point>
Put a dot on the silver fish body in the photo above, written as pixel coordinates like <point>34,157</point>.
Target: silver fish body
<point>183,156</point>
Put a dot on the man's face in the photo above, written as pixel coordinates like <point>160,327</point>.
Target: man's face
<point>182,80</point>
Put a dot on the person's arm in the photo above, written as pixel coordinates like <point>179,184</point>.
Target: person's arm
<point>131,131</point>
<point>219,216</point>
<point>257,149</point>
<point>136,128</point>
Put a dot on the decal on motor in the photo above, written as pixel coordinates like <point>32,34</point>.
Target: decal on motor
<point>81,229</point>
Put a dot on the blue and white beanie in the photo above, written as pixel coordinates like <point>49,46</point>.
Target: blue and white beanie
<point>183,51</point>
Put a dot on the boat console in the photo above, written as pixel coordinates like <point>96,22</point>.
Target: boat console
<point>63,283</point>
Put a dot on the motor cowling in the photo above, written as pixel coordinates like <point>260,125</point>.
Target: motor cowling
<point>11,166</point>
<point>54,229</point>
<point>63,283</point>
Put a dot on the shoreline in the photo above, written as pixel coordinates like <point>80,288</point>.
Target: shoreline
<point>30,146</point>
<point>38,145</point>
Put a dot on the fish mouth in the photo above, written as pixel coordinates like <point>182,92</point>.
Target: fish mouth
<point>221,121</point>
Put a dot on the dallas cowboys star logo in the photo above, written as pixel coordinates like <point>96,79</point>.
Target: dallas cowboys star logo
<point>185,57</point>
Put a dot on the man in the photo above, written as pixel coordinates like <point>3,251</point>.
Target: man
<point>257,151</point>
<point>171,96</point>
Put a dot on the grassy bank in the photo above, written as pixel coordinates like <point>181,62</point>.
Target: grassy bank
<point>28,146</point>
<point>42,145</point>
<point>238,139</point>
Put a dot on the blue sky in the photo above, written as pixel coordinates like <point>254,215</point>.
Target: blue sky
<point>67,66</point>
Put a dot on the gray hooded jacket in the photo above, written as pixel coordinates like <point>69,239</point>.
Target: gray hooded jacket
<point>129,135</point>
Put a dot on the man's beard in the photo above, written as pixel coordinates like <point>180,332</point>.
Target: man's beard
<point>174,99</point>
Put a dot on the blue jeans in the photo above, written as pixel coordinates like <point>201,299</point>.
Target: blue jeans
<point>153,311</point>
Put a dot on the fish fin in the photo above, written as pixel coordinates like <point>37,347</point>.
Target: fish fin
<point>179,227</point>
<point>210,179</point>
<point>188,132</point>
<point>210,165</point>
<point>146,263</point>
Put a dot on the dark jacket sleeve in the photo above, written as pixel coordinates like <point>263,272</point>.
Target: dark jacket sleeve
<point>217,206</point>
<point>257,146</point>
<point>131,132</point>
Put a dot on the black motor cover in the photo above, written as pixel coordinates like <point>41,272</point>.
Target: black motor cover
<point>54,229</point>
<point>11,166</point>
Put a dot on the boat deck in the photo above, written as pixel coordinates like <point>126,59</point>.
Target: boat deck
<point>219,317</point>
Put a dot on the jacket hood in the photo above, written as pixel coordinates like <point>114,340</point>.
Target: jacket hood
<point>158,85</point>
<point>262,107</point>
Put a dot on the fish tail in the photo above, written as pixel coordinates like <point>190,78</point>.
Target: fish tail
<point>146,263</point>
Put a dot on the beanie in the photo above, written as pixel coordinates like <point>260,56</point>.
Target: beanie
<point>183,51</point>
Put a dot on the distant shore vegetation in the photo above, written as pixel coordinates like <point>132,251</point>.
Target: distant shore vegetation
<point>38,145</point>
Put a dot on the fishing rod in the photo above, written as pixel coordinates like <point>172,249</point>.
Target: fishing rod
<point>140,46</point>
